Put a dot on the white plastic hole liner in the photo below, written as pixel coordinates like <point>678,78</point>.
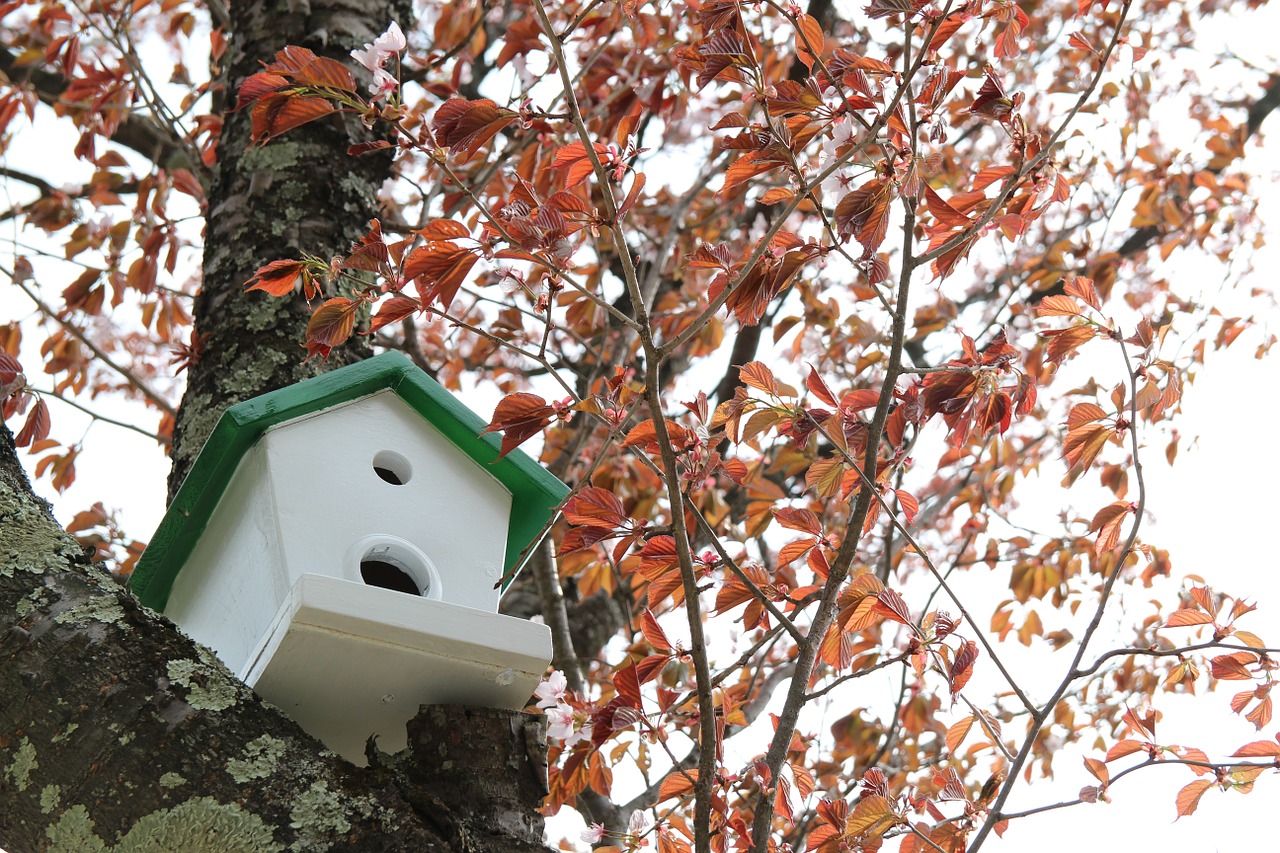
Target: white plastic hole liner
<point>400,553</point>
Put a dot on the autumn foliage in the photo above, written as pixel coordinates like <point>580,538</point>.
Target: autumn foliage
<point>796,303</point>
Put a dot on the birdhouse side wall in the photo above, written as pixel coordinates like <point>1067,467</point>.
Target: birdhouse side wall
<point>348,478</point>
<point>234,581</point>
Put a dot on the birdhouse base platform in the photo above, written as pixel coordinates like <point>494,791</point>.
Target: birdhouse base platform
<point>349,661</point>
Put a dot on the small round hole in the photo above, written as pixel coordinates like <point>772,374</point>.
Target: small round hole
<point>386,575</point>
<point>392,468</point>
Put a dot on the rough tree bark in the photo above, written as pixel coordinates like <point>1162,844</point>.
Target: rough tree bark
<point>119,733</point>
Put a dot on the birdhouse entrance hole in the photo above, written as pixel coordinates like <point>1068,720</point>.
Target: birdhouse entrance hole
<point>392,563</point>
<point>388,576</point>
<point>392,468</point>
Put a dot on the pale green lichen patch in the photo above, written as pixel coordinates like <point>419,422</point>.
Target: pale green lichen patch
<point>24,761</point>
<point>62,736</point>
<point>172,780</point>
<point>199,825</point>
<point>208,687</point>
<point>50,797</point>
<point>202,825</point>
<point>73,833</point>
<point>260,757</point>
<point>316,815</point>
<point>104,609</point>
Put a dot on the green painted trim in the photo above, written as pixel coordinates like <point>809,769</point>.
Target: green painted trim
<point>535,493</point>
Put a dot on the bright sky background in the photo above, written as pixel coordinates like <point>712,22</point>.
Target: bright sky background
<point>1214,511</point>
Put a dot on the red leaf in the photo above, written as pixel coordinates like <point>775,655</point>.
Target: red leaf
<point>653,632</point>
<point>794,518</point>
<point>443,229</point>
<point>279,113</point>
<point>36,427</point>
<point>439,269</point>
<point>864,213</point>
<point>910,506</point>
<point>277,277</point>
<point>574,162</point>
<point>595,507</point>
<point>962,666</point>
<point>519,417</point>
<point>464,126</point>
<point>331,324</point>
<point>394,309</point>
<point>658,556</point>
<point>627,682</point>
<point>893,606</point>
<point>819,388</point>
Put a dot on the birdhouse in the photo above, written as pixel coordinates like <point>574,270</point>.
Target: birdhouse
<point>341,544</point>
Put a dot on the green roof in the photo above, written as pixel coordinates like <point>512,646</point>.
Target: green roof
<point>535,493</point>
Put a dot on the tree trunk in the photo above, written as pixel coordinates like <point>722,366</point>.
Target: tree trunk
<point>300,193</point>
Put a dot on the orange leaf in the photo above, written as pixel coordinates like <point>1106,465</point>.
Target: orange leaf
<point>809,40</point>
<point>658,556</point>
<point>1188,616</point>
<point>1083,288</point>
<point>957,732</point>
<point>1098,769</point>
<point>872,817</point>
<point>677,784</point>
<point>1107,522</point>
<point>1058,306</point>
<point>646,435</point>
<point>1123,748</point>
<point>1189,797</point>
<point>1258,749</point>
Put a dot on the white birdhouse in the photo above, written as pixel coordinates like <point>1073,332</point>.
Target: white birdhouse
<point>340,544</point>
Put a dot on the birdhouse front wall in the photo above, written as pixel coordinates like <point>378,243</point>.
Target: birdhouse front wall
<point>372,480</point>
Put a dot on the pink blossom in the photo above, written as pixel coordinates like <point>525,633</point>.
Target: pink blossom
<point>374,56</point>
<point>551,692</point>
<point>560,722</point>
<point>593,834</point>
